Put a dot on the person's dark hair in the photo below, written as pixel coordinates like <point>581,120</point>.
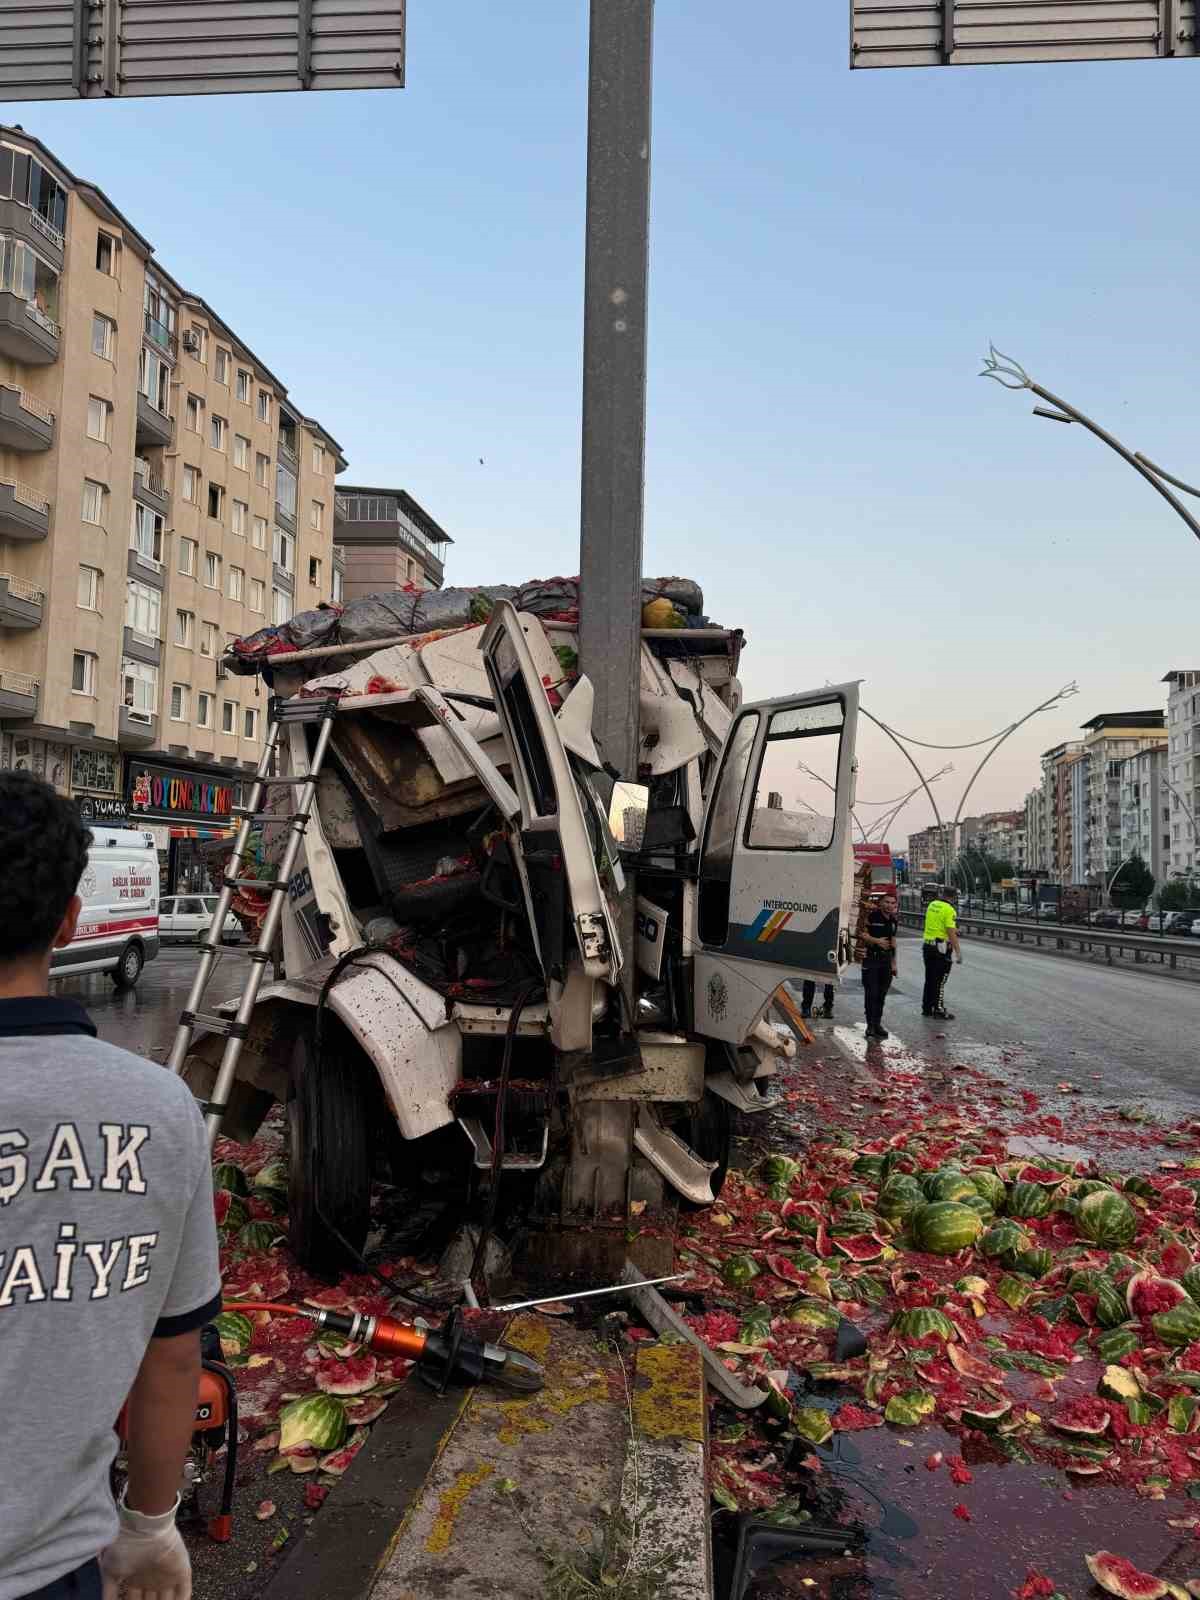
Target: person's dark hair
<point>43,851</point>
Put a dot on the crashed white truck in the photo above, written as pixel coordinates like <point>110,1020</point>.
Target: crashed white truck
<point>456,990</point>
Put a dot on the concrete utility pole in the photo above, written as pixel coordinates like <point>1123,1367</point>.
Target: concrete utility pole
<point>614,369</point>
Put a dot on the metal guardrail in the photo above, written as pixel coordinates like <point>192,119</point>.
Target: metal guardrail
<point>1065,935</point>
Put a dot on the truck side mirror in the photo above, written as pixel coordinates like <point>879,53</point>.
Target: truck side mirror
<point>627,811</point>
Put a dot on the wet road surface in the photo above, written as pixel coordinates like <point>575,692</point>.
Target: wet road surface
<point>143,1019</point>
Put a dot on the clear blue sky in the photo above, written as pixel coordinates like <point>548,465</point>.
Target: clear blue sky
<point>831,253</point>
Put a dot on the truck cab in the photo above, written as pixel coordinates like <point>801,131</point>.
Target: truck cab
<point>466,970</point>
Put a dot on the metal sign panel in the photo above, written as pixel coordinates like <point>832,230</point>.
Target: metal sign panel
<point>96,49</point>
<point>960,33</point>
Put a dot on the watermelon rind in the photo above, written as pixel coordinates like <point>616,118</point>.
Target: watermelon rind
<point>755,1327</point>
<point>738,1270</point>
<point>923,1322</point>
<point>815,1315</point>
<point>1033,1263</point>
<point>1191,1282</point>
<point>813,1424</point>
<point>1154,1283</point>
<point>1179,1326</point>
<point>1028,1200</point>
<point>1117,1342</point>
<point>235,1330</point>
<point>353,1376</point>
<point>318,1420</point>
<point>950,1185</point>
<point>260,1235</point>
<point>985,1416</point>
<point>1014,1291</point>
<point>1004,1241</point>
<point>910,1409</point>
<point>1117,1576</point>
<point>228,1176</point>
<point>992,1187</point>
<point>1087,1419</point>
<point>858,1246</point>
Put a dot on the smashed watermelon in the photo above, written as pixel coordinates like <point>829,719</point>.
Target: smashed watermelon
<point>353,1376</point>
<point>1086,1417</point>
<point>1118,1576</point>
<point>859,1247</point>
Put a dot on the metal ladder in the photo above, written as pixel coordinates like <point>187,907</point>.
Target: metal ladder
<point>284,715</point>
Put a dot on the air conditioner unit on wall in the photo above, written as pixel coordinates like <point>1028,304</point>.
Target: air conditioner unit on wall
<point>191,342</point>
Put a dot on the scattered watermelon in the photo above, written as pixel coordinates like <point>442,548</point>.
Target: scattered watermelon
<point>1086,1417</point>
<point>739,1270</point>
<point>923,1322</point>
<point>1028,1200</point>
<point>336,1462</point>
<point>361,1412</point>
<point>985,1415</point>
<point>950,1185</point>
<point>355,1375</point>
<point>815,1315</point>
<point>1107,1219</point>
<point>1117,1342</point>
<point>1043,1175</point>
<point>259,1235</point>
<point>1005,1241</point>
<point>1191,1282</point>
<point>908,1410</point>
<point>900,1196</point>
<point>813,1424</point>
<point>1146,1293</point>
<point>859,1247</point>
<point>229,1178</point>
<point>944,1227</point>
<point>1180,1325</point>
<point>1118,1576</point>
<point>235,1330</point>
<point>316,1420</point>
<point>992,1187</point>
<point>786,1269</point>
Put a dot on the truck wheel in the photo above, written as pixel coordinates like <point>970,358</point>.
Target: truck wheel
<point>706,1125</point>
<point>329,1170</point>
<point>129,968</point>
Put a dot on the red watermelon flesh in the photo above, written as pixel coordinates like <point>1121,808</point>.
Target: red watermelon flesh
<point>336,1462</point>
<point>1120,1577</point>
<point>360,1412</point>
<point>1040,1175</point>
<point>1086,1416</point>
<point>222,1200</point>
<point>860,1247</point>
<point>785,1269</point>
<point>354,1376</point>
<point>1175,1259</point>
<point>821,1243</point>
<point>1146,1293</point>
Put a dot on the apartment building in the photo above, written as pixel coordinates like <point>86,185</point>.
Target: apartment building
<point>1145,812</point>
<point>1181,780</point>
<point>160,494</point>
<point>929,851</point>
<point>387,541</point>
<point>1108,740</point>
<point>1037,832</point>
<point>1057,763</point>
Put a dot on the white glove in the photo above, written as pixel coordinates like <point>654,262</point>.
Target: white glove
<point>147,1560</point>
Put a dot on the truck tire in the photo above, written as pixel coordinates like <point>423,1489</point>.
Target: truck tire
<point>329,1170</point>
<point>129,968</point>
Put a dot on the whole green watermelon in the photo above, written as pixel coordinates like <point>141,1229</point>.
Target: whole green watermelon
<point>943,1227</point>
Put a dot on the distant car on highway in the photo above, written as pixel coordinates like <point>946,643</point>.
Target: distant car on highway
<point>1194,930</point>
<point>1180,922</point>
<point>1157,921</point>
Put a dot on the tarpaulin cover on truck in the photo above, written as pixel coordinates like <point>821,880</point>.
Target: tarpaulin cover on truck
<point>410,612</point>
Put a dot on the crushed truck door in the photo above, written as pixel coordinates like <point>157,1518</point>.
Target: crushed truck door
<point>567,903</point>
<point>775,874</point>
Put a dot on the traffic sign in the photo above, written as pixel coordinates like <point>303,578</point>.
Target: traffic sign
<point>105,49</point>
<point>958,33</point>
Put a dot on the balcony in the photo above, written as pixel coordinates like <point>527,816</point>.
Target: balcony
<point>149,488</point>
<point>339,558</point>
<point>145,570</point>
<point>161,337</point>
<point>141,647</point>
<point>282,578</point>
<point>26,424</point>
<point>22,220</point>
<point>138,728</point>
<point>27,334</point>
<point>285,518</point>
<point>288,452</point>
<point>24,512</point>
<point>20,602</point>
<point>18,696</point>
<point>154,427</point>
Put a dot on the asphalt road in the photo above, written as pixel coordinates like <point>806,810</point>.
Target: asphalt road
<point>1121,1035</point>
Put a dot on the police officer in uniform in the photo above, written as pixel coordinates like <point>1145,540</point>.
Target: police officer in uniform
<point>879,962</point>
<point>941,941</point>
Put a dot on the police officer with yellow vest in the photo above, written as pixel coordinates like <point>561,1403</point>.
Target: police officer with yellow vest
<point>941,939</point>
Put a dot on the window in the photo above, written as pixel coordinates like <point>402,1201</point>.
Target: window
<point>92,509</point>
<point>236,580</point>
<point>185,629</point>
<point>262,471</point>
<point>106,254</point>
<point>143,609</point>
<point>99,419</point>
<point>258,594</point>
<point>337,587</point>
<point>212,570</point>
<point>191,484</point>
<point>281,609</point>
<point>204,705</point>
<point>264,406</point>
<point>241,516</point>
<point>243,386</point>
<point>314,570</point>
<point>283,550</point>
<point>805,741</point>
<point>316,516</point>
<point>180,697</point>
<point>83,672</point>
<point>285,489</point>
<point>222,367</point>
<point>241,452</point>
<point>216,433</point>
<point>91,589</point>
<point>216,501</point>
<point>159,312</point>
<point>208,638</point>
<point>23,273</point>
<point>249,723</point>
<point>139,688</point>
<point>46,195</point>
<point>260,533</point>
<point>104,336</point>
<point>194,416</point>
<point>147,536</point>
<point>154,380</point>
<point>187,557</point>
<point>228,716</point>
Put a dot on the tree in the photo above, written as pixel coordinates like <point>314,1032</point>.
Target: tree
<point>1134,883</point>
<point>1000,867</point>
<point>1179,895</point>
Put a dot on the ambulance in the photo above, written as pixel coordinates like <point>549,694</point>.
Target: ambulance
<point>118,926</point>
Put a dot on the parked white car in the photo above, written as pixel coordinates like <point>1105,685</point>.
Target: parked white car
<point>184,918</point>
